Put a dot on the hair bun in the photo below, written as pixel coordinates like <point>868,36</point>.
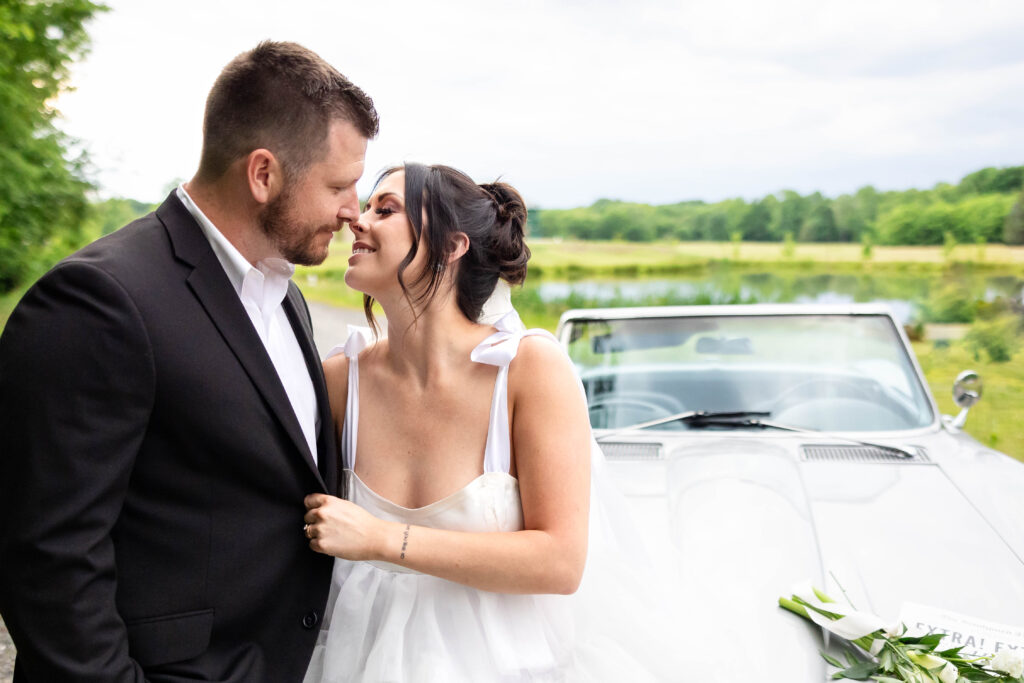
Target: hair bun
<point>509,241</point>
<point>507,200</point>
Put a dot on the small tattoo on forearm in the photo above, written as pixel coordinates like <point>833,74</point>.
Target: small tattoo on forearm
<point>405,541</point>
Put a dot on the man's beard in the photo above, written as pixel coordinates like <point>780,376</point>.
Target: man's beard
<point>295,241</point>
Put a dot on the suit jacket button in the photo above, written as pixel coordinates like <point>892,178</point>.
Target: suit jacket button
<point>310,620</point>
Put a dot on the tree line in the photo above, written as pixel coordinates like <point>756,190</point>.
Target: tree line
<point>985,206</point>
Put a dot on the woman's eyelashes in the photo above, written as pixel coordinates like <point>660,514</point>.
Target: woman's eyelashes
<point>381,210</point>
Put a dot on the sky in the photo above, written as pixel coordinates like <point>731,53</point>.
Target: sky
<point>575,100</point>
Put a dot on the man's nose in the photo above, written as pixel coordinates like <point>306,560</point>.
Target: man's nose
<point>349,209</point>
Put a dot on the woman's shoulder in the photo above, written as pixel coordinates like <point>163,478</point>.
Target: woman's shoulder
<point>336,367</point>
<point>538,348</point>
<point>540,360</point>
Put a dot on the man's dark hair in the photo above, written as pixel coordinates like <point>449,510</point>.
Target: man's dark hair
<point>281,97</point>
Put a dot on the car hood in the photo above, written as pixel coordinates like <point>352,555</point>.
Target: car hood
<point>895,533</point>
<point>743,521</point>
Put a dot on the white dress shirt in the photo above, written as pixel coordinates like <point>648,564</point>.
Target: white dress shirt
<point>261,289</point>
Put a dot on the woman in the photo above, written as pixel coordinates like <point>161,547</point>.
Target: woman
<point>466,452</point>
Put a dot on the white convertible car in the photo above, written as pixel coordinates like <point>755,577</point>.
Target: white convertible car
<point>760,446</point>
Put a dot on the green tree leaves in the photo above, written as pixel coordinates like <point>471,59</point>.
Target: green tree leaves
<point>42,191</point>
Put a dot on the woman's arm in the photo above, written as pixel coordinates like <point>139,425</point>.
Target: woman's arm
<point>551,435</point>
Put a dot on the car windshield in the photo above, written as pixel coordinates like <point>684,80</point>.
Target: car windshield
<point>820,372</point>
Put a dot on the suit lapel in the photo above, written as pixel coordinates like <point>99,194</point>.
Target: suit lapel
<point>298,316</point>
<point>211,286</point>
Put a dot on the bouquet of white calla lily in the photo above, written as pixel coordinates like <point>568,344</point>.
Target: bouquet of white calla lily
<point>891,655</point>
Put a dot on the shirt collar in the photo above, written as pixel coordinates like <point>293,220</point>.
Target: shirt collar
<point>235,265</point>
<point>265,285</point>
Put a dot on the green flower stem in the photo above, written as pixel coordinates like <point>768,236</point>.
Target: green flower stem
<point>794,607</point>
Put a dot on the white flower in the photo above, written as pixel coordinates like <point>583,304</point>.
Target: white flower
<point>1009,662</point>
<point>896,630</point>
<point>947,674</point>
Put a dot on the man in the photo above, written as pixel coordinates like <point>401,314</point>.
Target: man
<point>163,411</point>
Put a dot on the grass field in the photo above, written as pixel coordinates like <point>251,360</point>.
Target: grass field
<point>552,253</point>
<point>624,259</point>
<point>996,420</point>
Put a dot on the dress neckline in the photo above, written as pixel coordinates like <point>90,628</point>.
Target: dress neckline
<point>498,349</point>
<point>442,502</point>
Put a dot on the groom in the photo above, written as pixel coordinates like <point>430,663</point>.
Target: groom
<point>163,411</point>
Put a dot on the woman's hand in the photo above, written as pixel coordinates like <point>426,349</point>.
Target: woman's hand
<point>337,527</point>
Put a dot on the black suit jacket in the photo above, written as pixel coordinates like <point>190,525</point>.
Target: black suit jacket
<point>152,472</point>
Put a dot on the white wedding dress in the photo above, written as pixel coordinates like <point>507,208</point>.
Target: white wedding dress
<point>389,623</point>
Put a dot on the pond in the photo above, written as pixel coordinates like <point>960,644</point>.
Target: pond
<point>945,297</point>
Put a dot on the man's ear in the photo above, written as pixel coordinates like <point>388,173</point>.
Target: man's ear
<point>459,245</point>
<point>264,175</point>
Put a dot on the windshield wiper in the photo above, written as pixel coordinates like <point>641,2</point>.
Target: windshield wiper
<point>745,419</point>
<point>692,417</point>
<point>765,424</point>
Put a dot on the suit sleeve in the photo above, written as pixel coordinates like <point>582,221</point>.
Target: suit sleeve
<point>76,389</point>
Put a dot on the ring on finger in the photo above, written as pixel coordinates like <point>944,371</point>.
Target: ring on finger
<point>305,530</point>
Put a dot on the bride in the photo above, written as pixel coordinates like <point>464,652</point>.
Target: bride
<point>466,452</point>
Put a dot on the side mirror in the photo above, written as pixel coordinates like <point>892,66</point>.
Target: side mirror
<point>967,389</point>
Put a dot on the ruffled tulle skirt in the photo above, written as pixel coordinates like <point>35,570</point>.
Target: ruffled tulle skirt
<point>394,626</point>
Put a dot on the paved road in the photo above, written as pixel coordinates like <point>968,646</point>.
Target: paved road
<point>330,327</point>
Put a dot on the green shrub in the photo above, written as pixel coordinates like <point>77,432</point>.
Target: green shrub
<point>950,304</point>
<point>999,338</point>
<point>788,245</point>
<point>736,238</point>
<point>948,245</point>
<point>866,246</point>
<point>914,331</point>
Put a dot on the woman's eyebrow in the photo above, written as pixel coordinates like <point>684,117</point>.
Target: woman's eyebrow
<point>380,197</point>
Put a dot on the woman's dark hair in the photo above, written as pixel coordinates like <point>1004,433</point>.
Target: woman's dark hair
<point>492,215</point>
